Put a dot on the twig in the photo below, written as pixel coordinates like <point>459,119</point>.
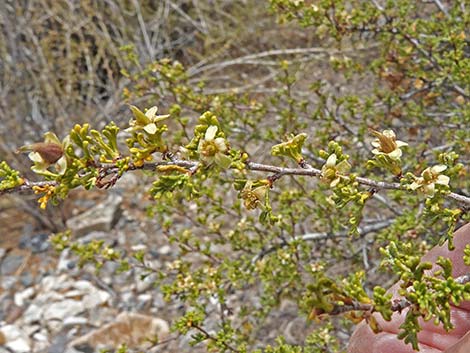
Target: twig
<point>193,166</point>
<point>361,230</point>
<point>398,305</point>
<point>247,58</point>
<point>143,29</point>
<point>207,335</point>
<point>323,235</point>
<point>442,8</point>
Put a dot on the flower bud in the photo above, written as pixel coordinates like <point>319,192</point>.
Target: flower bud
<point>49,152</point>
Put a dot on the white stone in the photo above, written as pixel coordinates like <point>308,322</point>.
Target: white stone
<point>51,283</point>
<point>139,247</point>
<point>61,310</point>
<point>33,314</point>
<point>41,346</point>
<point>144,298</point>
<point>75,320</point>
<point>83,286</point>
<point>146,283</point>
<point>15,339</point>
<point>20,345</point>
<point>30,330</point>
<point>21,297</point>
<point>8,282</point>
<point>54,326</point>
<point>96,298</point>
<point>39,336</point>
<point>164,250</point>
<point>45,298</point>
<point>74,293</point>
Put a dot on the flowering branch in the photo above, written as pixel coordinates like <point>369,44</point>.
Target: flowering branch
<point>192,166</point>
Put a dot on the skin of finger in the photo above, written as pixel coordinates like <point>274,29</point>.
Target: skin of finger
<point>462,346</point>
<point>363,338</point>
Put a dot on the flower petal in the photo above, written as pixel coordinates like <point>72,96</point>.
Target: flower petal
<point>395,154</point>
<point>389,134</point>
<point>66,141</point>
<point>61,165</point>
<point>150,128</point>
<point>151,112</point>
<point>429,189</point>
<point>140,118</point>
<point>443,180</point>
<point>438,168</point>
<point>159,118</point>
<point>35,157</point>
<point>222,160</point>
<point>210,132</point>
<point>335,182</point>
<point>260,192</point>
<point>331,161</point>
<point>50,137</point>
<point>343,166</point>
<point>220,143</point>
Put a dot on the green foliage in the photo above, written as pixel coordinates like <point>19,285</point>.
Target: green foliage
<point>291,148</point>
<point>9,178</point>
<point>95,252</point>
<point>320,340</point>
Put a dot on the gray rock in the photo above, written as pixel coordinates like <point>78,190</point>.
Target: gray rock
<point>102,217</point>
<point>27,279</point>
<point>95,235</point>
<point>66,263</point>
<point>36,243</point>
<point>59,343</point>
<point>10,264</point>
<point>8,282</point>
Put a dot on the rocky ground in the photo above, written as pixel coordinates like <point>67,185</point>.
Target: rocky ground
<point>49,304</point>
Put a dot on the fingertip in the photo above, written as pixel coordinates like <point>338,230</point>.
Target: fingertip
<point>365,340</point>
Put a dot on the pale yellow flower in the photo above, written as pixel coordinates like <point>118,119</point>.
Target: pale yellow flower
<point>430,177</point>
<point>387,144</point>
<point>331,171</point>
<point>253,196</point>
<point>147,122</point>
<point>47,153</point>
<point>212,149</point>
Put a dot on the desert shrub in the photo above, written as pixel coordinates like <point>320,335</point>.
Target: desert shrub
<point>298,186</point>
